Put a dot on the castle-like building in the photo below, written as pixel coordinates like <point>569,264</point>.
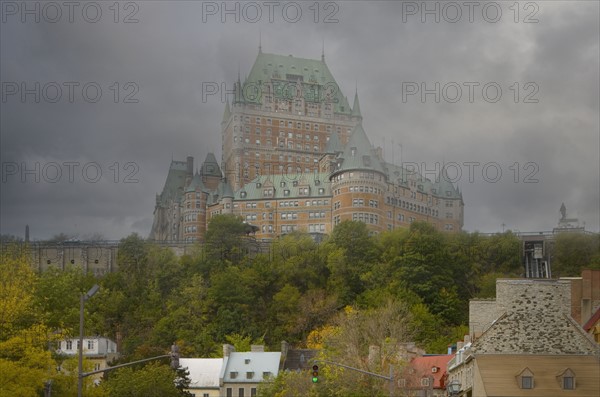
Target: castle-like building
<point>295,157</point>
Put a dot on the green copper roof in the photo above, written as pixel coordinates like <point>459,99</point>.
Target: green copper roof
<point>284,187</point>
<point>333,144</point>
<point>444,185</point>
<point>175,182</point>
<point>313,75</point>
<point>210,167</point>
<point>196,183</point>
<point>224,190</point>
<point>356,107</point>
<point>359,154</point>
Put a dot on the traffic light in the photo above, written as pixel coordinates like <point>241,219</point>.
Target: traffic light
<point>315,373</point>
<point>174,356</point>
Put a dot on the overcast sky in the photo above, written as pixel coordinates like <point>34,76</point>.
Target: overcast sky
<point>541,131</point>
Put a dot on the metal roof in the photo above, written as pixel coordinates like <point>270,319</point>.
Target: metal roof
<point>250,366</point>
<point>204,372</point>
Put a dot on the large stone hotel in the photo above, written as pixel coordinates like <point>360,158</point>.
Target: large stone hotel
<point>295,157</point>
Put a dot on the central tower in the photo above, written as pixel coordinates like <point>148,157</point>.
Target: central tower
<point>282,117</point>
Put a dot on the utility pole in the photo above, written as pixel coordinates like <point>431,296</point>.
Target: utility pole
<point>83,299</point>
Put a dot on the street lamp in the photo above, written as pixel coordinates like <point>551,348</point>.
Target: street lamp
<point>453,388</point>
<point>84,298</point>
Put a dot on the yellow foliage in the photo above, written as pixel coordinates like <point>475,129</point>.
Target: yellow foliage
<point>17,281</point>
<point>318,337</point>
<point>25,363</point>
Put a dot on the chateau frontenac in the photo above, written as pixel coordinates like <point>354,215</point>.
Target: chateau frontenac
<point>295,157</point>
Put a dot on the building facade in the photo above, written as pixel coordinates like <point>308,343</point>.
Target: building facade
<point>525,343</point>
<point>98,350</point>
<point>295,157</point>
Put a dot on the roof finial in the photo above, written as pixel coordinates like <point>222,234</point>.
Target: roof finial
<point>323,52</point>
<point>259,42</point>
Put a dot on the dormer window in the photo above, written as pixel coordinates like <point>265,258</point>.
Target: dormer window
<point>249,375</point>
<point>352,151</point>
<point>566,379</point>
<point>233,375</point>
<point>243,194</point>
<point>525,379</point>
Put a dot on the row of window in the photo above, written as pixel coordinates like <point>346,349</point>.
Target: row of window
<point>566,379</point>
<point>361,203</point>
<point>229,392</point>
<point>190,217</point>
<point>415,207</point>
<point>316,228</point>
<point>365,217</point>
<point>290,124</point>
<point>69,345</point>
<point>364,189</point>
<point>291,203</point>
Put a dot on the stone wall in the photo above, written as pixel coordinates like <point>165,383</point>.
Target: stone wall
<point>95,257</point>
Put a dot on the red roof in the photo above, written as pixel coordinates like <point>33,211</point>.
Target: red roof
<point>425,366</point>
<point>592,321</point>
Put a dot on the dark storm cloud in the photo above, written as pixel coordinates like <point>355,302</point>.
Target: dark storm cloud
<point>170,52</point>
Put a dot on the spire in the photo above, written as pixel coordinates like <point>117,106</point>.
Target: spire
<point>356,106</point>
<point>226,113</point>
<point>237,90</point>
<point>323,52</point>
<point>259,42</point>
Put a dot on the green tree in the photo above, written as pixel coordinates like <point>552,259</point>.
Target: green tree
<point>224,238</point>
<point>153,380</point>
<point>57,297</point>
<point>574,252</point>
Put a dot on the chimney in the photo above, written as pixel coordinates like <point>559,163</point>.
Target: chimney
<point>257,348</point>
<point>227,350</point>
<point>467,339</point>
<point>459,345</point>
<point>284,348</point>
<point>190,165</point>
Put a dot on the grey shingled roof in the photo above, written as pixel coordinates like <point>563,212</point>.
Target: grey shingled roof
<point>536,321</point>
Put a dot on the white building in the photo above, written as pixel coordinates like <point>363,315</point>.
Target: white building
<point>242,372</point>
<point>204,375</point>
<point>99,350</point>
